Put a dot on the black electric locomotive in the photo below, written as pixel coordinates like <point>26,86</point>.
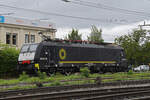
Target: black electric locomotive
<point>65,57</point>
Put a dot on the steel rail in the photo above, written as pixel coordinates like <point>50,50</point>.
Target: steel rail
<point>79,94</point>
<point>71,87</point>
<point>121,96</point>
<point>142,98</point>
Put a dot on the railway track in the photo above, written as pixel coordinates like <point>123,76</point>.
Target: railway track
<point>112,93</point>
<point>125,95</point>
<point>142,98</point>
<point>70,87</point>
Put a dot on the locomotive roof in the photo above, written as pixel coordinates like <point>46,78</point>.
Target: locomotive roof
<point>112,46</point>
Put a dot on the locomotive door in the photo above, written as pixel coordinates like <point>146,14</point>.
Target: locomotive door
<point>50,56</point>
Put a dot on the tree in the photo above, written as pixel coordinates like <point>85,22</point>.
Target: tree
<point>74,35</point>
<point>96,35</point>
<point>8,60</point>
<point>136,45</point>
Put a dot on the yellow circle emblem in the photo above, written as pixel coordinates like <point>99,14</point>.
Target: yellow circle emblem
<point>62,54</point>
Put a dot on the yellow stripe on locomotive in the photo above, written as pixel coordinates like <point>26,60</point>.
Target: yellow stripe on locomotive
<point>108,62</point>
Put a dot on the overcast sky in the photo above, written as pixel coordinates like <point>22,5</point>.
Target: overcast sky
<point>115,17</point>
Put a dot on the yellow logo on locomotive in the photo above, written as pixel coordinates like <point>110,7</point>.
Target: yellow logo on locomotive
<point>62,54</point>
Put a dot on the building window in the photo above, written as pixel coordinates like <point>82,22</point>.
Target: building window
<point>11,38</point>
<point>32,38</point>
<point>14,39</point>
<point>29,38</point>
<point>8,38</point>
<point>26,38</point>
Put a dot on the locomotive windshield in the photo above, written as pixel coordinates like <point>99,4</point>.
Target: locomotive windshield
<point>29,48</point>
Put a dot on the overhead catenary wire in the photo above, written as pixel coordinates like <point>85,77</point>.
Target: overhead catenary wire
<point>110,8</point>
<point>106,7</point>
<point>61,15</point>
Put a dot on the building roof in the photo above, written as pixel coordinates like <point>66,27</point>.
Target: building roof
<point>25,22</point>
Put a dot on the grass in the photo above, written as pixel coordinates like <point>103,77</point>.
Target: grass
<point>54,83</point>
<point>18,88</point>
<point>58,83</point>
<point>56,80</point>
<point>9,82</point>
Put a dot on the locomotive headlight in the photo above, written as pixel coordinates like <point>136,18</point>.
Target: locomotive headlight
<point>20,62</point>
<point>56,65</point>
<point>32,61</point>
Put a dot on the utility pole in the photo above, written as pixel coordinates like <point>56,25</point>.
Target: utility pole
<point>143,25</point>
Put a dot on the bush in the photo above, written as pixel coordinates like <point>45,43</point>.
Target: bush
<point>23,76</point>
<point>56,83</point>
<point>42,75</point>
<point>58,74</point>
<point>88,81</point>
<point>130,72</point>
<point>85,72</point>
<point>8,60</point>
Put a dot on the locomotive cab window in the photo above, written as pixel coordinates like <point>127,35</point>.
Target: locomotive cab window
<point>33,47</point>
<point>29,48</point>
<point>25,48</point>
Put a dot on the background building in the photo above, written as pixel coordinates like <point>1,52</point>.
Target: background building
<point>17,31</point>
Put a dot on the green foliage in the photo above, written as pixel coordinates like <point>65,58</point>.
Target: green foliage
<point>130,72</point>
<point>74,35</point>
<point>33,80</point>
<point>85,72</point>
<point>42,75</point>
<point>23,76</point>
<point>72,76</point>
<point>59,81</point>
<point>8,82</point>
<point>56,83</point>
<point>96,35</point>
<point>58,75</point>
<point>137,46</point>
<point>88,81</point>
<point>8,60</point>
